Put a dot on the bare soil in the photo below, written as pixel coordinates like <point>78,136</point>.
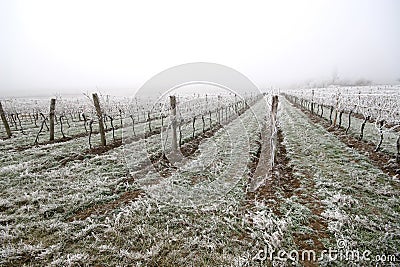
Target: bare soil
<point>281,179</point>
<point>101,209</point>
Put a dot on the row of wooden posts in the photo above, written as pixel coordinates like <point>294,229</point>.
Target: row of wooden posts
<point>52,116</point>
<point>100,116</point>
<point>335,119</point>
<point>274,130</point>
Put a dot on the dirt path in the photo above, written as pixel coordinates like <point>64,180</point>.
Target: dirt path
<point>331,192</point>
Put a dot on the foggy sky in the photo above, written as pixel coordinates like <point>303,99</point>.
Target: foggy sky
<point>49,47</point>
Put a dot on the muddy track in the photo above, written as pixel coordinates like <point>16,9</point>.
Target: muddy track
<point>279,177</point>
<point>100,209</point>
<point>380,159</point>
<point>254,158</point>
<point>282,183</point>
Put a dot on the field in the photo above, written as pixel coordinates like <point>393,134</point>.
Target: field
<point>244,182</point>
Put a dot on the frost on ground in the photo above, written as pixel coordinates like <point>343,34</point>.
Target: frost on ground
<point>199,216</point>
<point>360,203</point>
<point>37,205</point>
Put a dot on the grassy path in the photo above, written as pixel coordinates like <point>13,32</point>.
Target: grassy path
<point>341,197</point>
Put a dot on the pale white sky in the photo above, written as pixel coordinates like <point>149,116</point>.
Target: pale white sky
<point>72,46</point>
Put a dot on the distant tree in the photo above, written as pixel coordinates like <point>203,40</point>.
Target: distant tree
<point>335,77</point>
<point>362,82</point>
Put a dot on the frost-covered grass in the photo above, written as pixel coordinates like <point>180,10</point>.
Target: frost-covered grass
<point>361,204</point>
<point>222,162</point>
<point>198,216</point>
<point>37,205</point>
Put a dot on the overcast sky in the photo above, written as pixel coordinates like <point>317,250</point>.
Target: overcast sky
<point>49,47</point>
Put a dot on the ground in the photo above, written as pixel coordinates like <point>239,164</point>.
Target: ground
<point>99,210</point>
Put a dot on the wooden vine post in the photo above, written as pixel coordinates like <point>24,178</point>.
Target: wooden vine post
<point>194,126</point>
<point>100,118</point>
<point>378,147</point>
<point>52,112</point>
<point>5,122</point>
<point>173,121</point>
<point>274,130</point>
<point>398,149</point>
<point>348,127</point>
<point>219,109</point>
<point>149,120</point>
<point>336,109</point>
<point>312,102</point>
